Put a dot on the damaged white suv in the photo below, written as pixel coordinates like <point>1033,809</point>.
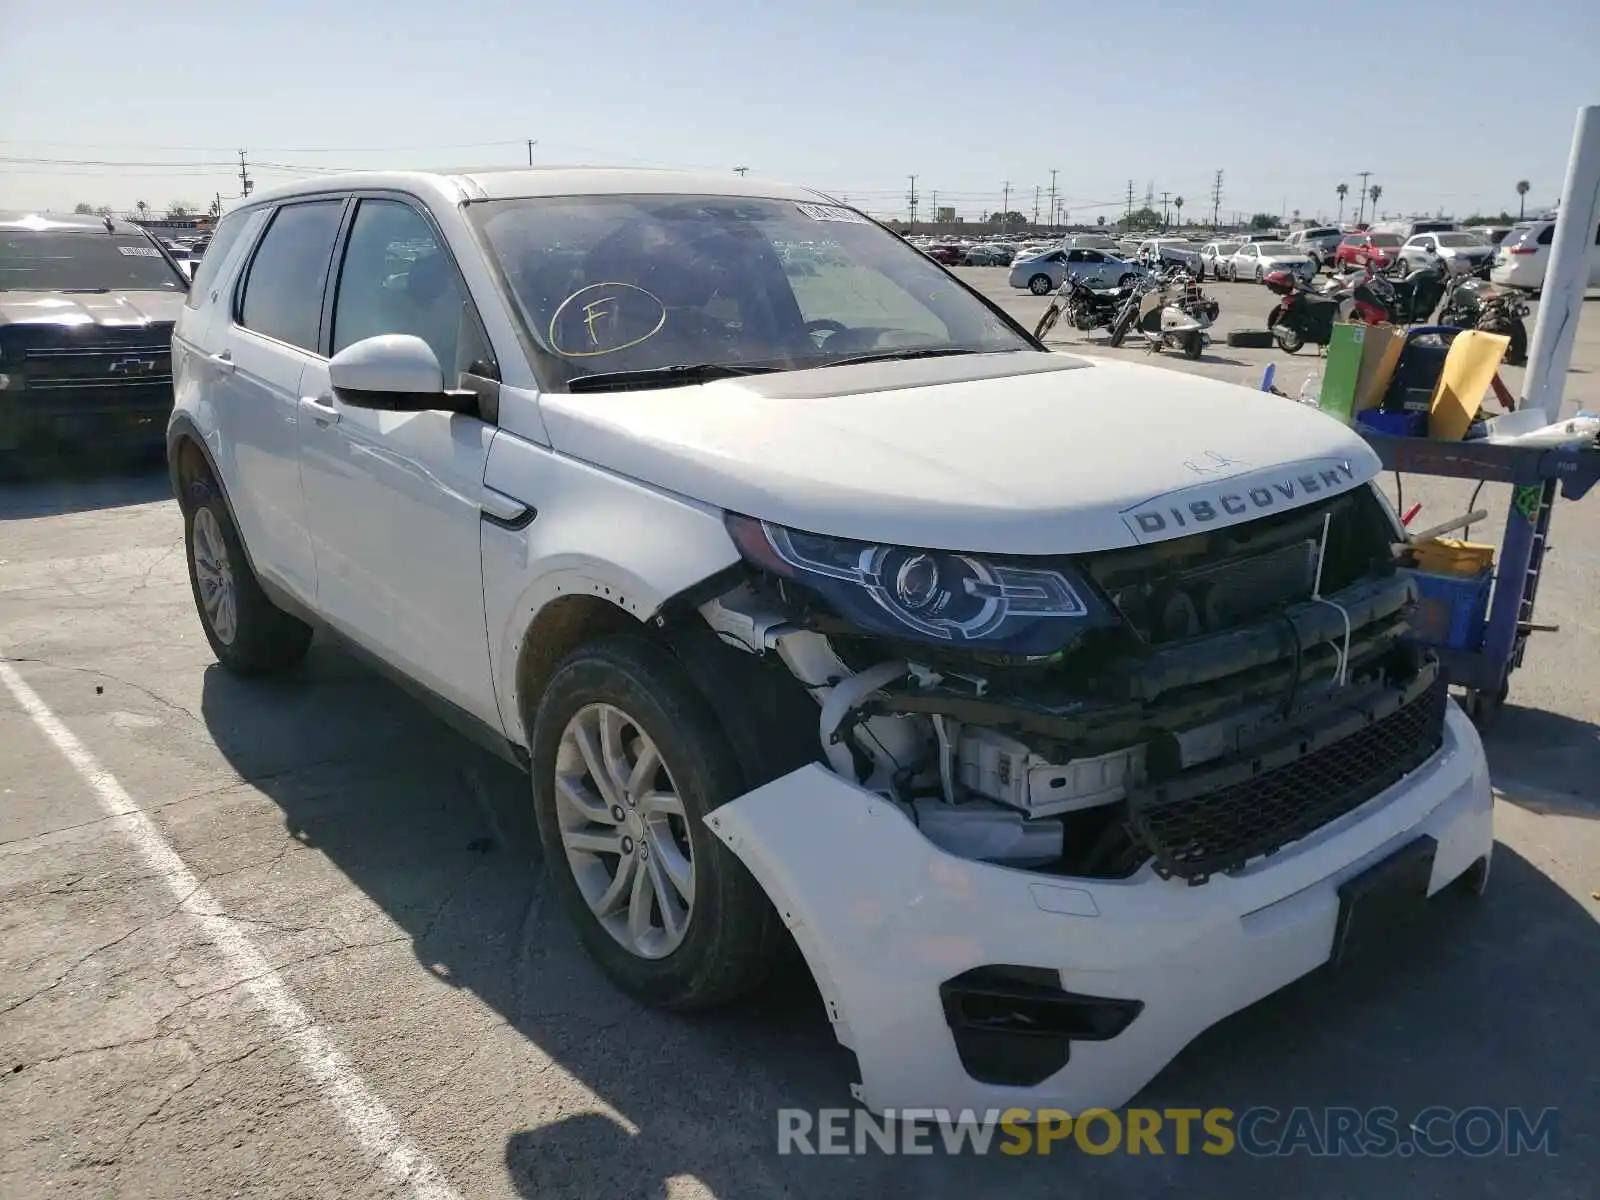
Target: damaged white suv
<point>1054,708</point>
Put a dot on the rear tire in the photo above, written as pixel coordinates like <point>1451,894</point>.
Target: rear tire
<point>1517,352</point>
<point>731,936</point>
<point>1193,346</point>
<point>1290,341</point>
<point>249,634</point>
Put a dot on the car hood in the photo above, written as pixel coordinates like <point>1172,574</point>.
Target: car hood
<point>109,309</point>
<point>1024,453</point>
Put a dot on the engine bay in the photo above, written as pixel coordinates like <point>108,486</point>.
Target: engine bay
<point>1191,727</point>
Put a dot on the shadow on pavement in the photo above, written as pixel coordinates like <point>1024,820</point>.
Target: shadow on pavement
<point>1483,1002</point>
<point>55,486</point>
<point>1545,761</point>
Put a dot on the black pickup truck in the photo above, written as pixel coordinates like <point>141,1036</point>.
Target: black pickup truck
<point>87,305</point>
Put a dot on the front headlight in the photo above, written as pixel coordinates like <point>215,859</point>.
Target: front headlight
<point>935,596</point>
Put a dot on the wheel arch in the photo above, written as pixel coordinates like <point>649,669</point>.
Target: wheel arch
<point>189,459</point>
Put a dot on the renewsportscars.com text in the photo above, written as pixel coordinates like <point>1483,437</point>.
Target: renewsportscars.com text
<point>1261,1132</point>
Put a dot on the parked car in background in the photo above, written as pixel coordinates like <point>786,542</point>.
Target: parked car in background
<point>1091,241</point>
<point>990,254</point>
<point>947,253</point>
<point>1031,250</point>
<point>1411,227</point>
<point>1179,250</point>
<point>1523,258</point>
<point>1254,261</point>
<point>1493,234</point>
<point>87,305</point>
<point>1380,250</point>
<point>1043,273</point>
<point>1212,253</point>
<point>1458,252</point>
<point>1319,242</point>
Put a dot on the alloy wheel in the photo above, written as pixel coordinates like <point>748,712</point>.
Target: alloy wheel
<point>624,831</point>
<point>214,572</point>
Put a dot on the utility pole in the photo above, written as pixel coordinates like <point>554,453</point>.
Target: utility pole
<point>1129,211</point>
<point>1005,202</point>
<point>741,172</point>
<point>532,142</point>
<point>933,203</point>
<point>1216,199</point>
<point>1053,171</point>
<point>1362,210</point>
<point>1150,194</point>
<point>1036,206</point>
<point>245,182</point>
<point>1164,196</point>
<point>911,199</point>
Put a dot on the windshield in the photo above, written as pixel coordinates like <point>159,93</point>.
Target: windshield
<point>639,283</point>
<point>1278,248</point>
<point>1460,239</point>
<point>57,262</point>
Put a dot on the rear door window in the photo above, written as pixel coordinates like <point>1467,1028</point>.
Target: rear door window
<point>283,291</point>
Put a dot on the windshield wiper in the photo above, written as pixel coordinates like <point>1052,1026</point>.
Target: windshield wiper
<point>892,355</point>
<point>648,377</point>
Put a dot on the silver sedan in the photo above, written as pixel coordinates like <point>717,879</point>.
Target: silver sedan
<point>1257,260</point>
<point>1043,273</point>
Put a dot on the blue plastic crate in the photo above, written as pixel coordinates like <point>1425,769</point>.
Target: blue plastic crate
<point>1451,609</point>
<point>1399,424</point>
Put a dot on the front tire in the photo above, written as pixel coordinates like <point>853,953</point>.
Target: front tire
<point>1039,285</point>
<point>1290,341</point>
<point>1046,322</point>
<point>249,634</point>
<point>628,760</point>
<point>1119,328</point>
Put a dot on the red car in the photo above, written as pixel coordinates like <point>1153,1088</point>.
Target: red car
<point>1359,249</point>
<point>950,256</point>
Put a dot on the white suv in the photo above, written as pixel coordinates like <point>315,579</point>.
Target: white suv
<point>1053,708</point>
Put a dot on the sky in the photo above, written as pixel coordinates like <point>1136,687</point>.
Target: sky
<point>113,103</point>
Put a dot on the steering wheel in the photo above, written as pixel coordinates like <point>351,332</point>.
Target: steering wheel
<point>823,325</point>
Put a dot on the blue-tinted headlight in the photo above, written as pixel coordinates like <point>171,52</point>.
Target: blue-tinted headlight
<point>932,596</point>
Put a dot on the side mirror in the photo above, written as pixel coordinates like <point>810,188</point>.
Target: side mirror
<point>396,372</point>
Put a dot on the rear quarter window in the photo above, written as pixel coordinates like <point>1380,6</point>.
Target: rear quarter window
<point>223,240</point>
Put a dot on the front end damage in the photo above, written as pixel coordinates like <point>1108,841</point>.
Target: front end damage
<point>1069,813</point>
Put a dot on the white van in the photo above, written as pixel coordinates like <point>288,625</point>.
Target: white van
<point>1522,259</point>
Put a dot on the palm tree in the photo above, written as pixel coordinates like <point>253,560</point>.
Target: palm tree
<point>143,206</point>
<point>1375,191</point>
<point>1177,203</point>
<point>1522,196</point>
<point>1344,190</point>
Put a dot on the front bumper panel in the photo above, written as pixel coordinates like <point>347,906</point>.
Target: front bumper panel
<point>884,919</point>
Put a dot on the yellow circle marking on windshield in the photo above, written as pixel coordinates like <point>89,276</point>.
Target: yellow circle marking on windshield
<point>602,315</point>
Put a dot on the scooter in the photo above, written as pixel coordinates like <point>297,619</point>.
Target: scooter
<point>1162,321</point>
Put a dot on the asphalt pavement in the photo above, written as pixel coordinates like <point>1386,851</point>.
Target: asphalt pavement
<point>291,939</point>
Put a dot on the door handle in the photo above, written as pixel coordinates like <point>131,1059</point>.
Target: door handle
<point>321,409</point>
<point>222,361</point>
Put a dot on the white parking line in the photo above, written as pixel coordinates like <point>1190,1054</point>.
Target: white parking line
<point>369,1119</point>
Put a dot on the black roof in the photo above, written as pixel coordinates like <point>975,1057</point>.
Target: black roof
<point>13,219</point>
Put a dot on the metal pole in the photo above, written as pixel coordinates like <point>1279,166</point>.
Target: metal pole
<point>1561,304</point>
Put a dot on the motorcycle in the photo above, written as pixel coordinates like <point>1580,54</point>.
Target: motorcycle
<point>1474,304</point>
<point>1164,320</point>
<point>1085,307</point>
<point>1370,297</point>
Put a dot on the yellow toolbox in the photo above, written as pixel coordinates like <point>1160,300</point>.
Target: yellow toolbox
<point>1452,556</point>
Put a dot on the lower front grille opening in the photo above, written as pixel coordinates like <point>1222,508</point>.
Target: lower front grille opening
<point>1219,817</point>
<point>1015,1025</point>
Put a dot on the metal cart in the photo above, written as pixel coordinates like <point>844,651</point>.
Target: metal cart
<point>1535,473</point>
